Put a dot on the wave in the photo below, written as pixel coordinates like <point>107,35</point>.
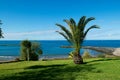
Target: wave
<point>7,58</point>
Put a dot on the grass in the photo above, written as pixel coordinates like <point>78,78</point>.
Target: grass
<point>94,69</point>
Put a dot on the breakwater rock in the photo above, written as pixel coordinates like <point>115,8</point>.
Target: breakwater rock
<point>106,50</point>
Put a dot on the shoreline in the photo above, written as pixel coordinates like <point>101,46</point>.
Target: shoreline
<point>12,58</point>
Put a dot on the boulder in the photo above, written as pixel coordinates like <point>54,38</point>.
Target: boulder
<point>116,52</point>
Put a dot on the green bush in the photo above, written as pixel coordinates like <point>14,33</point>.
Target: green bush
<point>36,51</point>
<point>86,54</point>
<point>30,50</point>
<point>34,56</point>
<point>17,59</point>
<point>101,55</point>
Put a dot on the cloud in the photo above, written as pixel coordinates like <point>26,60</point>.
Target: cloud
<point>101,34</point>
<point>104,35</point>
<point>36,35</point>
<point>29,33</point>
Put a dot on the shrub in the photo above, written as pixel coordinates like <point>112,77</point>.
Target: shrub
<point>86,54</point>
<point>101,55</point>
<point>17,59</point>
<point>36,51</point>
<point>34,56</point>
<point>71,55</point>
<point>30,50</point>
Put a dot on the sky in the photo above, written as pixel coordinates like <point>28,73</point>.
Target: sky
<point>36,19</point>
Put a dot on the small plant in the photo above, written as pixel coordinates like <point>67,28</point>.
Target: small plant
<point>17,59</point>
<point>86,54</point>
<point>71,55</point>
<point>101,55</point>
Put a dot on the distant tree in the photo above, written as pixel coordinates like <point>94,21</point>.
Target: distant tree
<point>23,52</point>
<point>26,47</point>
<point>30,50</point>
<point>1,34</point>
<point>76,35</point>
<point>36,51</point>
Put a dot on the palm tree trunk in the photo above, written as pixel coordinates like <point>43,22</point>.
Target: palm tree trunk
<point>77,58</point>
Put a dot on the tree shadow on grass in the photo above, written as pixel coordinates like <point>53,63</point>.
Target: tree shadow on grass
<point>104,59</point>
<point>44,66</point>
<point>53,72</point>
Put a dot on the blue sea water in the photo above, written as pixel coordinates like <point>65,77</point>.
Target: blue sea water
<point>51,48</point>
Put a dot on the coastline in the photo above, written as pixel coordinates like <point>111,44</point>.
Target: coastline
<point>7,58</point>
<point>52,49</point>
<point>12,58</point>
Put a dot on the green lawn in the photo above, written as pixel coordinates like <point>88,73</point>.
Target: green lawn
<point>94,69</point>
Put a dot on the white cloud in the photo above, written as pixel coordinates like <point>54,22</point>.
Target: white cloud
<point>34,35</point>
<point>99,34</point>
<point>104,35</point>
<point>28,33</point>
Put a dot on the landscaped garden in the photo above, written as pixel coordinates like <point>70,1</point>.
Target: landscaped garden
<point>93,69</point>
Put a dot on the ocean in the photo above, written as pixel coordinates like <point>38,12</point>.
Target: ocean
<point>10,49</point>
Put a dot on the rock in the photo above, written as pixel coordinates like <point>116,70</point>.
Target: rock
<point>106,50</point>
<point>116,52</point>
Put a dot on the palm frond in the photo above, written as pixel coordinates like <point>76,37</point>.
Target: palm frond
<point>65,36</point>
<point>65,30</point>
<point>89,19</point>
<point>70,25</point>
<point>73,24</point>
<point>72,21</point>
<point>81,23</point>
<point>67,21</point>
<point>94,26</point>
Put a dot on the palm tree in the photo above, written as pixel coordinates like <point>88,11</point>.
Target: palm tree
<point>30,50</point>
<point>76,35</point>
<point>27,44</point>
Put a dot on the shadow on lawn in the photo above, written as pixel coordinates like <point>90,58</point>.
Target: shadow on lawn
<point>53,72</point>
<point>104,59</point>
<point>44,66</point>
